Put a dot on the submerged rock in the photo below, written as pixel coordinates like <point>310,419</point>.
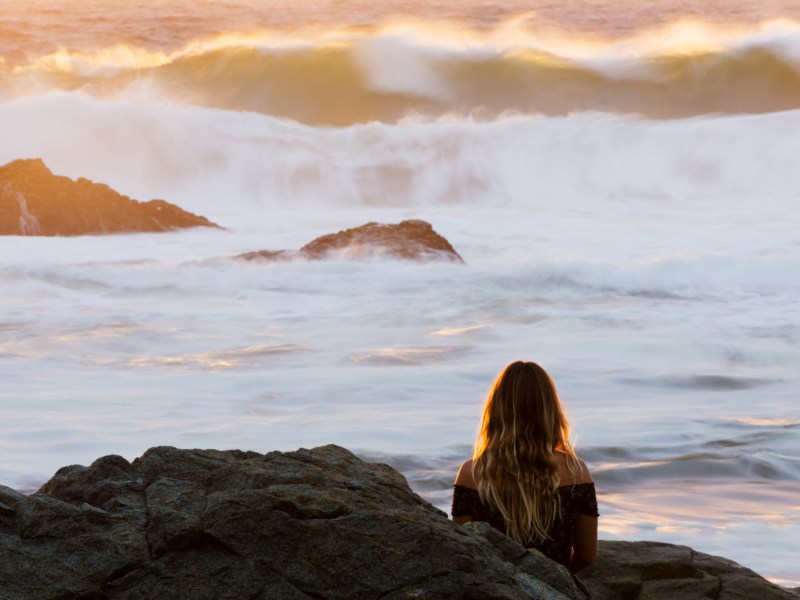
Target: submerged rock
<point>33,201</point>
<point>321,523</point>
<point>407,240</point>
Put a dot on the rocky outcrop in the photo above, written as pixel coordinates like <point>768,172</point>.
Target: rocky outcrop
<point>33,201</point>
<point>206,524</point>
<point>658,571</point>
<point>408,240</point>
<point>209,524</point>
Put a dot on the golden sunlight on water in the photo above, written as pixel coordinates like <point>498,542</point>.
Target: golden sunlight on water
<point>719,505</point>
<point>406,356</point>
<point>767,422</point>
<point>708,512</point>
<point>208,361</point>
<point>712,515</point>
<point>342,76</point>
<point>52,25</point>
<point>449,331</point>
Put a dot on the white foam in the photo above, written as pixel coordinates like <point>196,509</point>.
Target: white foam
<point>624,255</point>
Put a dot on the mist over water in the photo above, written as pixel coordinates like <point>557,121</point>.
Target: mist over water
<point>627,215</point>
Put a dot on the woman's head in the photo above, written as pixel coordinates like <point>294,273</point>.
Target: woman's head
<point>514,463</point>
<point>523,410</point>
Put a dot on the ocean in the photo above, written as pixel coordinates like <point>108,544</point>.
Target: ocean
<point>621,179</point>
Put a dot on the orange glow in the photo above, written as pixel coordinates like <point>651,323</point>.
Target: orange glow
<point>693,507</point>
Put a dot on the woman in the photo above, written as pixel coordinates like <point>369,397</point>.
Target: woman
<point>524,477</point>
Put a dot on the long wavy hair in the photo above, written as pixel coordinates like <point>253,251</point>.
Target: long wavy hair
<point>514,463</point>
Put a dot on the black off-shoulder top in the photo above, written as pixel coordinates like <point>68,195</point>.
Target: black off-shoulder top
<point>576,499</point>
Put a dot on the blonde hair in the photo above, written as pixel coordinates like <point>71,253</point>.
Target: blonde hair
<point>514,462</point>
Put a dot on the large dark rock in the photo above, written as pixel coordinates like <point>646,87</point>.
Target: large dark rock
<point>219,525</point>
<point>658,571</point>
<point>207,524</point>
<point>408,240</point>
<point>33,201</point>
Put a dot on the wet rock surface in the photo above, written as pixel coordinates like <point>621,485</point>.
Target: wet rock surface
<point>413,240</point>
<point>34,201</point>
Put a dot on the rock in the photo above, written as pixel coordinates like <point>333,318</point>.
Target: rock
<point>33,201</point>
<point>659,571</point>
<point>408,240</point>
<point>208,524</point>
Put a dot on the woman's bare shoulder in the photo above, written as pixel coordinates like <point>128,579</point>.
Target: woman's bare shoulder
<point>584,475</point>
<point>580,474</point>
<point>465,476</point>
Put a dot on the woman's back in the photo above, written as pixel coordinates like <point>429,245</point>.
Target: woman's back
<point>524,477</point>
<point>572,538</point>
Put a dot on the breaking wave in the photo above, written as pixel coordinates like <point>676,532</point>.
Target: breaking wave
<point>388,74</point>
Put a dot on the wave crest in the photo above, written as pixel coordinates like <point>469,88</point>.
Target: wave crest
<point>342,78</point>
